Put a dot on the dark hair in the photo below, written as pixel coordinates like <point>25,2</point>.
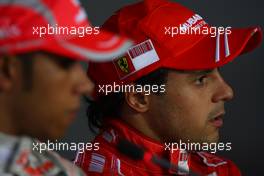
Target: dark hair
<point>108,106</point>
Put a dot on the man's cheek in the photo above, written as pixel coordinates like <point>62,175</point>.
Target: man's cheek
<point>199,114</point>
<point>195,124</point>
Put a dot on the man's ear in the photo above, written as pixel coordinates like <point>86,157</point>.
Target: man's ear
<point>7,70</point>
<point>138,101</point>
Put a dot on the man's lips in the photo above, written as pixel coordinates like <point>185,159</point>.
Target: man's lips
<point>217,121</point>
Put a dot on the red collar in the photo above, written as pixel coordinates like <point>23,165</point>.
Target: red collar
<point>136,137</point>
<point>194,161</point>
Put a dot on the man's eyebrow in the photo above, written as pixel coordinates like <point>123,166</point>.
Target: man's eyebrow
<point>196,72</point>
<point>200,72</point>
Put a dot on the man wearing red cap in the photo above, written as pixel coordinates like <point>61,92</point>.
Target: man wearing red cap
<point>140,130</point>
<point>41,80</point>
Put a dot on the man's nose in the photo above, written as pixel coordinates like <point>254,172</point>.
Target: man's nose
<point>84,85</point>
<point>223,92</point>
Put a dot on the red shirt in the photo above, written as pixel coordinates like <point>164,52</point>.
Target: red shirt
<point>109,161</point>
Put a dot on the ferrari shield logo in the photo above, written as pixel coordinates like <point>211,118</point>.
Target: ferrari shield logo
<point>123,64</point>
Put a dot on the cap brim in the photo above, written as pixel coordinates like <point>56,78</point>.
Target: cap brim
<point>101,47</point>
<point>211,52</point>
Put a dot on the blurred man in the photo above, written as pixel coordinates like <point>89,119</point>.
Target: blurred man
<point>42,81</point>
<point>165,91</point>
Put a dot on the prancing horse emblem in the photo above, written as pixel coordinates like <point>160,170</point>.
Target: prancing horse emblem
<point>123,64</point>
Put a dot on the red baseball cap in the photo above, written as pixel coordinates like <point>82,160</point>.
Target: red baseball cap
<point>151,24</point>
<point>56,26</point>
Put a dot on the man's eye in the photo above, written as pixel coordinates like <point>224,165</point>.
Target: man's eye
<point>201,80</point>
<point>65,63</point>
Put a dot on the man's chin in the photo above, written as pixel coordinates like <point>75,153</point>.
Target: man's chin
<point>213,138</point>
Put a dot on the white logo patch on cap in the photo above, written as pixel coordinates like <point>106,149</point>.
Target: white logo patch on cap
<point>143,55</point>
<point>136,58</point>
